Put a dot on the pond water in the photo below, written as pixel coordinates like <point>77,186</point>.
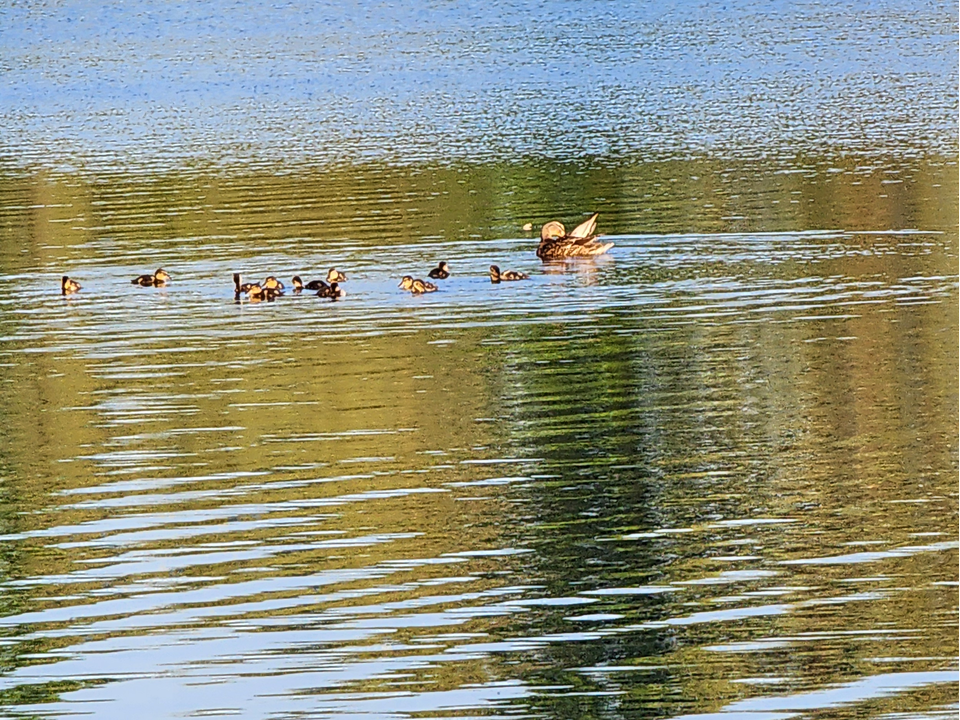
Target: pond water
<point>712,473</point>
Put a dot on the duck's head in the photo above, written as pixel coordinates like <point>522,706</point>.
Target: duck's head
<point>407,282</point>
<point>297,282</point>
<point>335,275</point>
<point>494,271</point>
<point>162,275</point>
<point>443,266</point>
<point>552,230</point>
<point>271,283</point>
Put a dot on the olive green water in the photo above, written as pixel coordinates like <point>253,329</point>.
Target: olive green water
<point>714,472</point>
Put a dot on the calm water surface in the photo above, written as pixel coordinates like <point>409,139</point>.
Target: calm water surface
<point>712,474</point>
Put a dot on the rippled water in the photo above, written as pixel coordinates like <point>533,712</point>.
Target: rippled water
<point>713,473</point>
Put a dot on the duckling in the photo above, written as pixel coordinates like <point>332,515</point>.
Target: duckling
<point>299,285</point>
<point>334,275</point>
<point>496,276</point>
<point>418,286</point>
<point>68,286</point>
<point>555,242</point>
<point>255,291</point>
<point>334,291</point>
<point>441,271</point>
<point>160,278</point>
<point>271,283</point>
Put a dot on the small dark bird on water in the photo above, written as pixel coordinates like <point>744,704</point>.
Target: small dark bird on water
<point>160,278</point>
<point>299,285</point>
<point>496,276</point>
<point>441,271</point>
<point>334,291</point>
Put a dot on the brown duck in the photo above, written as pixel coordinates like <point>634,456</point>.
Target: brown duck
<point>556,243</point>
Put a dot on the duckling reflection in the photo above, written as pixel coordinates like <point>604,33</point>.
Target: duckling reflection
<point>586,269</point>
<point>416,286</point>
<point>68,286</point>
<point>441,271</point>
<point>334,291</point>
<point>555,242</point>
<point>496,276</point>
<point>160,278</point>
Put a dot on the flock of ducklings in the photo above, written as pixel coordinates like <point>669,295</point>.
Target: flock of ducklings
<point>555,243</point>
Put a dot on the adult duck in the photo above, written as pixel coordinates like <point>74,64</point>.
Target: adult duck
<point>556,242</point>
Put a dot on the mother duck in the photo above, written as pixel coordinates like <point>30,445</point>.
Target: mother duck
<point>555,242</point>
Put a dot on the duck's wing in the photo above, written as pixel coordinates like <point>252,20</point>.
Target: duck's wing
<point>584,229</point>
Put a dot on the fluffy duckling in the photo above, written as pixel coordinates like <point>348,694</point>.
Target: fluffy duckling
<point>160,278</point>
<point>334,275</point>
<point>555,242</point>
<point>441,271</point>
<point>333,291</point>
<point>68,286</point>
<point>257,292</point>
<point>254,291</point>
<point>272,284</point>
<point>417,286</point>
<point>496,276</point>
<point>299,285</point>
